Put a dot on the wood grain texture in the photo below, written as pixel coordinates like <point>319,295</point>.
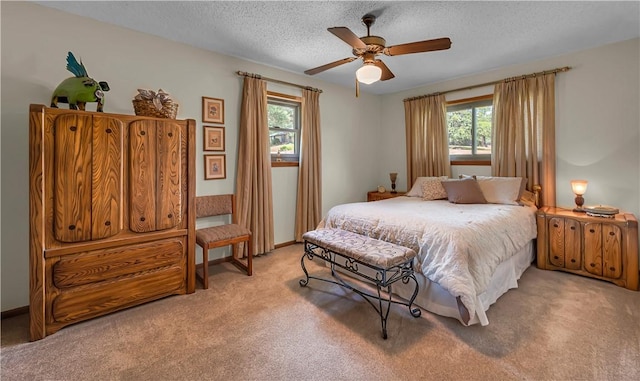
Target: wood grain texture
<point>593,248</point>
<point>100,173</point>
<point>169,201</point>
<point>611,251</point>
<point>142,176</point>
<point>556,241</point>
<point>72,175</point>
<point>99,298</point>
<point>602,248</point>
<point>101,265</point>
<point>36,224</point>
<point>106,195</point>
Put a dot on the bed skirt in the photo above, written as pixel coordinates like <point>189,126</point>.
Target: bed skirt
<point>433,298</point>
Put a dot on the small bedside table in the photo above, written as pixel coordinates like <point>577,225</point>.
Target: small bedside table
<point>597,247</point>
<point>377,196</point>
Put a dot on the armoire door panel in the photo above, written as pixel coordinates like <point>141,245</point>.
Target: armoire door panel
<point>107,177</point>
<point>169,202</point>
<point>72,177</point>
<point>142,176</point>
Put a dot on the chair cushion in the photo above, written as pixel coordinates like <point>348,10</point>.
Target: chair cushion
<point>220,233</point>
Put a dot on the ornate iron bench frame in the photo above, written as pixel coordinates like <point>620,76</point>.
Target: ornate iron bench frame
<point>383,279</point>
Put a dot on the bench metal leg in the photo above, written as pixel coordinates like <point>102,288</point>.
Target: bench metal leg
<point>383,306</point>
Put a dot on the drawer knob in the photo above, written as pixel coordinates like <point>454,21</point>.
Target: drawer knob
<point>107,223</point>
<point>72,227</point>
<point>108,130</point>
<point>170,134</point>
<point>592,231</point>
<point>612,268</point>
<point>555,225</point>
<point>592,264</point>
<point>612,233</point>
<point>73,128</point>
<point>170,215</point>
<point>573,228</point>
<point>142,219</point>
<point>142,133</point>
<point>573,261</point>
<point>555,257</point>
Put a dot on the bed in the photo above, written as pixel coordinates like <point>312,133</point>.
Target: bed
<point>469,254</point>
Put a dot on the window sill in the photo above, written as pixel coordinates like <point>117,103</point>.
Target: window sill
<point>276,164</point>
<point>470,162</point>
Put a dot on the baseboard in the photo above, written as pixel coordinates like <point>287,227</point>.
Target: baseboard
<point>285,244</point>
<point>14,312</point>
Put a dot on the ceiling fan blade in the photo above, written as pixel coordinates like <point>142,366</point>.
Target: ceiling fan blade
<point>418,47</point>
<point>328,66</point>
<point>386,73</point>
<point>346,35</point>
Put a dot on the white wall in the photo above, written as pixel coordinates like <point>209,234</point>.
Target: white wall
<point>597,122</point>
<point>35,42</point>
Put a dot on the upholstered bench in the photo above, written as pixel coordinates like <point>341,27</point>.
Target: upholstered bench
<point>379,262</point>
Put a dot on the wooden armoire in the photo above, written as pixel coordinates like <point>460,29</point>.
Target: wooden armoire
<point>111,209</point>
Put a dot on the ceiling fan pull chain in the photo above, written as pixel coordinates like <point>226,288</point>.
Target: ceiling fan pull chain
<point>357,88</point>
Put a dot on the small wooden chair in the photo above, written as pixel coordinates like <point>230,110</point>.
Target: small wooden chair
<point>222,235</point>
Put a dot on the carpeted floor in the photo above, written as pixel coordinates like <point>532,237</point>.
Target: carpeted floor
<point>555,326</point>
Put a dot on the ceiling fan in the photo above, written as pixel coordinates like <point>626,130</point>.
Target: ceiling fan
<point>368,47</point>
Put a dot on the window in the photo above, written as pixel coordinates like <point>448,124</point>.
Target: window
<point>284,127</point>
<point>469,127</point>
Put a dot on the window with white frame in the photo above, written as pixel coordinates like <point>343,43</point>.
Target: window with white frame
<point>469,126</point>
<point>284,127</point>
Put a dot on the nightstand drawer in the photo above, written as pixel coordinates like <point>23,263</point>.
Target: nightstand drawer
<point>377,196</point>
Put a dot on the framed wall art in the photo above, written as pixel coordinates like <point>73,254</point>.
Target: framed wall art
<point>212,110</point>
<point>215,167</point>
<point>213,138</point>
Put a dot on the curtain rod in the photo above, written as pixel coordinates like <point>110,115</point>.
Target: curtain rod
<point>245,74</point>
<point>553,71</point>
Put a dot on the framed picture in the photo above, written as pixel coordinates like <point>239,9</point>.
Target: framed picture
<point>212,110</point>
<point>215,167</point>
<point>213,138</point>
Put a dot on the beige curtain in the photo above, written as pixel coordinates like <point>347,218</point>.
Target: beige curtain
<point>523,141</point>
<point>253,183</point>
<point>309,200</point>
<point>427,139</point>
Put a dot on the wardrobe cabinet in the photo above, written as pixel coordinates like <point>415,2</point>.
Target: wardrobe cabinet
<point>597,247</point>
<point>112,219</point>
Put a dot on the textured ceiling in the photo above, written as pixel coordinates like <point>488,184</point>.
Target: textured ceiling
<point>293,35</point>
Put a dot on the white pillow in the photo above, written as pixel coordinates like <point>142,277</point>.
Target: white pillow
<point>501,190</point>
<point>416,189</point>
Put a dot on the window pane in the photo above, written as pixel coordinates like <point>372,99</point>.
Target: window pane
<point>483,130</point>
<point>281,116</point>
<point>459,125</point>
<point>282,142</point>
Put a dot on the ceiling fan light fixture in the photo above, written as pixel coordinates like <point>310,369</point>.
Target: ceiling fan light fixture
<point>368,73</point>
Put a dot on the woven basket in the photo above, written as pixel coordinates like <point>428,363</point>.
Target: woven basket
<point>146,108</point>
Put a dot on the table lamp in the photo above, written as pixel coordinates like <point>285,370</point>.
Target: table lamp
<point>579,187</point>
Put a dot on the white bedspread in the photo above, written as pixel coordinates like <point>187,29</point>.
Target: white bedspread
<point>459,246</point>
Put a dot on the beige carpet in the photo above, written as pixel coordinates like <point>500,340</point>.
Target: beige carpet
<point>555,326</point>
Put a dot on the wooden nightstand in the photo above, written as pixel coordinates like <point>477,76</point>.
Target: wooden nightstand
<point>377,196</point>
<point>597,247</point>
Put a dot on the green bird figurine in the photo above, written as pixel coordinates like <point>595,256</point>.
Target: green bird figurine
<point>78,90</point>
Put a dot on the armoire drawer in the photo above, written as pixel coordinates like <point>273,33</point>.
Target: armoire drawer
<point>96,299</point>
<point>107,264</point>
